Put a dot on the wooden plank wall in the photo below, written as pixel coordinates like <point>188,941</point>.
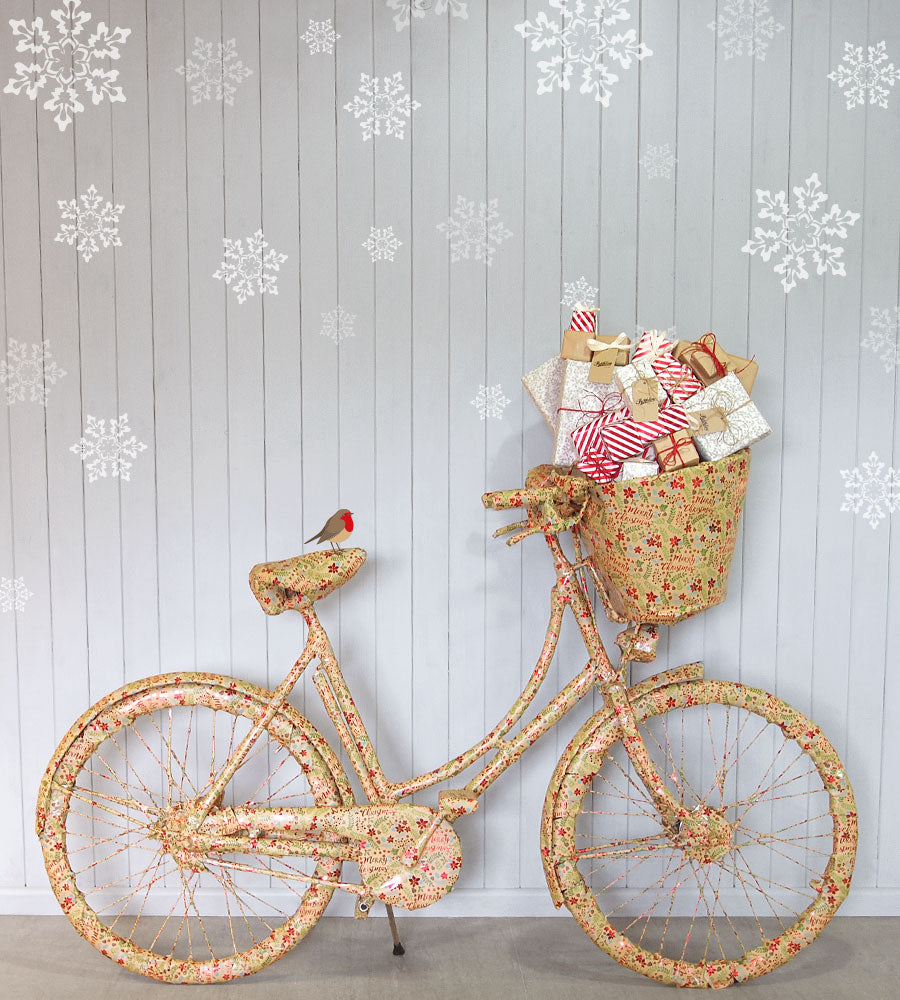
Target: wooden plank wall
<point>257,426</point>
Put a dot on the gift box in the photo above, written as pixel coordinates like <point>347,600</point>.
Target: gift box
<point>580,401</point>
<point>583,319</point>
<point>653,344</point>
<point>744,424</point>
<point>607,352</point>
<point>746,370</point>
<point>623,439</point>
<point>625,377</point>
<point>599,468</point>
<point>706,356</point>
<point>639,468</point>
<point>575,345</point>
<point>677,379</point>
<point>676,451</point>
<point>588,438</point>
<point>544,385</point>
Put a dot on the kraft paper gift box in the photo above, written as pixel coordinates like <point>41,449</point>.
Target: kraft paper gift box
<point>744,424</point>
<point>581,401</point>
<point>711,362</point>
<point>676,451</point>
<point>575,345</point>
<point>544,385</point>
<point>625,377</point>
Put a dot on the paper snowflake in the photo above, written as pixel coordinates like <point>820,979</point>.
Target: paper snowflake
<point>474,234</point>
<point>872,492</point>
<point>658,161</point>
<point>382,244</point>
<point>67,61</point>
<point>381,103</point>
<point>581,41</point>
<point>883,337</point>
<point>490,401</point>
<point>746,22</point>
<point>92,226</point>
<point>579,291</point>
<point>250,271</point>
<point>337,324</point>
<point>320,36</point>
<point>801,233</point>
<point>857,76</point>
<point>419,8</point>
<point>13,594</point>
<point>214,73</point>
<point>106,452</point>
<point>33,374</point>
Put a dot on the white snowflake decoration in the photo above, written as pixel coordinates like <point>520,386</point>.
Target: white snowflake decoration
<point>22,374</point>
<point>801,233</point>
<point>746,22</point>
<point>320,36</point>
<point>381,104</point>
<point>214,73</point>
<point>883,337</point>
<point>337,324</point>
<point>582,42</point>
<point>382,244</point>
<point>474,234</point>
<point>419,8</point>
<point>872,492</point>
<point>857,76</point>
<point>250,271</point>
<point>92,226</point>
<point>490,401</point>
<point>13,594</point>
<point>67,61</point>
<point>658,161</point>
<point>106,452</point>
<point>579,291</point>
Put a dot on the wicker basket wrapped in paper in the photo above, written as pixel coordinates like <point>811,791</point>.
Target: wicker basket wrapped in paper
<point>662,546</point>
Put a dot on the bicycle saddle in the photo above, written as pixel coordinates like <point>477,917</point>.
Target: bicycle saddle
<point>281,585</point>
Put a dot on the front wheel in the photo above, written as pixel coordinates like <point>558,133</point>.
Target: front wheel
<point>115,788</point>
<point>757,862</point>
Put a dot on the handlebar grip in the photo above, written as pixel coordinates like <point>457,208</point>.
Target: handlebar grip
<point>506,499</point>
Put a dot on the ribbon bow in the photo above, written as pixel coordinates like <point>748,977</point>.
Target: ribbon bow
<point>667,456</point>
<point>708,345</point>
<point>610,403</point>
<point>656,350</point>
<point>615,345</point>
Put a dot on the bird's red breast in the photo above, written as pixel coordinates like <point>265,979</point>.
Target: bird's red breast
<point>348,521</point>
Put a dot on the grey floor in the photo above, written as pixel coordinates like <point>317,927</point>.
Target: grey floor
<point>42,957</point>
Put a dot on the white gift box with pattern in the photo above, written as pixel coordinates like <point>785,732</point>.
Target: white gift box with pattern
<point>744,424</point>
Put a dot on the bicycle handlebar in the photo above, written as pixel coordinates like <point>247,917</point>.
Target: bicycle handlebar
<point>544,514</point>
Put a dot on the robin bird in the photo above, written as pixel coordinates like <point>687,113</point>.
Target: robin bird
<point>336,529</point>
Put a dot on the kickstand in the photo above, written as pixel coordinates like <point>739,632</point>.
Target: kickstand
<point>398,947</point>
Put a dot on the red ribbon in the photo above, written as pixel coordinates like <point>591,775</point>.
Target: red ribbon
<point>668,456</point>
<point>702,344</point>
<point>609,403</point>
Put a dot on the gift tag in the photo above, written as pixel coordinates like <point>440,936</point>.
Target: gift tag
<point>645,399</point>
<point>602,365</point>
<point>574,346</point>
<point>708,421</point>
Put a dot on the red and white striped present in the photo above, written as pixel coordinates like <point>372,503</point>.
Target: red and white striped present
<point>677,379</point>
<point>583,319</point>
<point>653,344</point>
<point>627,438</point>
<point>599,468</point>
<point>588,439</point>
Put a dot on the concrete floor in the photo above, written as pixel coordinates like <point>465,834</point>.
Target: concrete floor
<point>456,959</point>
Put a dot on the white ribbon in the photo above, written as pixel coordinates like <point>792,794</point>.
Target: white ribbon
<point>616,345</point>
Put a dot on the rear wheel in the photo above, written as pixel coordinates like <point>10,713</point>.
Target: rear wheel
<point>116,784</point>
<point>758,862</point>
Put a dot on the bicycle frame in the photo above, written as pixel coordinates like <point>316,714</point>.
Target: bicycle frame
<point>570,590</point>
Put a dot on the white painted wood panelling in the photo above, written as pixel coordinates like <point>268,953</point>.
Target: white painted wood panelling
<point>257,426</point>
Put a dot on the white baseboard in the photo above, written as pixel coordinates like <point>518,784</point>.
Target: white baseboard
<point>862,902</point>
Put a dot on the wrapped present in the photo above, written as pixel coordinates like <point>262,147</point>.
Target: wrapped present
<point>599,468</point>
<point>676,451</point>
<point>744,424</point>
<point>653,344</point>
<point>639,468</point>
<point>580,401</point>
<point>588,439</point>
<point>575,345</point>
<point>544,385</point>
<point>626,377</point>
<point>706,356</point>
<point>678,380</point>
<point>746,370</point>
<point>623,439</point>
<point>607,352</point>
<point>583,319</point>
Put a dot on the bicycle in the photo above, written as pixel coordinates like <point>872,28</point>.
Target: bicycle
<point>680,801</point>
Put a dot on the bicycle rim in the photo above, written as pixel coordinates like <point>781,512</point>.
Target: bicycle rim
<point>761,861</point>
<point>113,789</point>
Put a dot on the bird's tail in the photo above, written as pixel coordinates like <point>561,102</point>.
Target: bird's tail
<point>314,538</point>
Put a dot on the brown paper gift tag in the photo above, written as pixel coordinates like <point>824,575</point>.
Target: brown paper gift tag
<point>707,421</point>
<point>620,357</point>
<point>602,365</point>
<point>645,399</point>
<point>574,345</point>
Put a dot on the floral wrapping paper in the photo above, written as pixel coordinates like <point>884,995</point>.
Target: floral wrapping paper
<point>662,546</point>
<point>745,424</point>
<point>544,385</point>
<point>638,468</point>
<point>625,377</point>
<point>579,401</point>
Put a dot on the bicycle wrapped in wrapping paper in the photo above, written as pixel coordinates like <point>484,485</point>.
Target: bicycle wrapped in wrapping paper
<point>744,424</point>
<point>662,547</point>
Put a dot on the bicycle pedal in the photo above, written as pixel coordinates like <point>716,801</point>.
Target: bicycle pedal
<point>457,802</point>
